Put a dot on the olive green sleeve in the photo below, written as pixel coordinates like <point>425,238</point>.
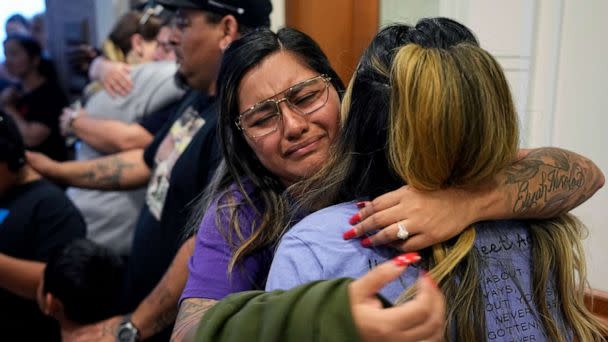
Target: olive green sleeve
<point>317,311</point>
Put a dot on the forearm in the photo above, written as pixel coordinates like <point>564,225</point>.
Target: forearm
<point>126,170</point>
<point>19,276</point>
<point>191,311</point>
<point>110,136</point>
<point>543,183</point>
<point>159,309</point>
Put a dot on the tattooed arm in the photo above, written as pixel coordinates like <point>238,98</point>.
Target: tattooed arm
<point>159,308</point>
<point>546,182</point>
<point>126,170</point>
<point>190,313</point>
<point>542,183</point>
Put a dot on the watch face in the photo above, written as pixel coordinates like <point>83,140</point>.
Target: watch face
<point>126,333</point>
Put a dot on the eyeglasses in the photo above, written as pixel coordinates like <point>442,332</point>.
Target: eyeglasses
<point>304,98</point>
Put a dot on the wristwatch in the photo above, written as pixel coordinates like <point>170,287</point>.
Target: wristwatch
<point>74,114</point>
<point>127,331</point>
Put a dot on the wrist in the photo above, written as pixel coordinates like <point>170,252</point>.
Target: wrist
<point>489,204</point>
<point>74,115</point>
<point>127,331</point>
<point>140,323</point>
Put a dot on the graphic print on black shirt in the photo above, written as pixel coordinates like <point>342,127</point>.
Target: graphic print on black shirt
<point>172,147</point>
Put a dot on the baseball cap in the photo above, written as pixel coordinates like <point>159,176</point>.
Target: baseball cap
<point>252,13</point>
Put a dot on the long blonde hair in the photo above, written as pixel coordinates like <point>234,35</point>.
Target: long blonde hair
<point>453,124</point>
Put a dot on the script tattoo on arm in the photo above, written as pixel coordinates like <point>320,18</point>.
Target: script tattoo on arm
<point>551,181</point>
<point>190,313</point>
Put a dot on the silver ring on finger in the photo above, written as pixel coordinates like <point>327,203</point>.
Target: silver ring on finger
<point>402,233</point>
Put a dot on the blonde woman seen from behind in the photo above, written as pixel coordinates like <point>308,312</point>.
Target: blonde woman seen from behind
<point>451,123</point>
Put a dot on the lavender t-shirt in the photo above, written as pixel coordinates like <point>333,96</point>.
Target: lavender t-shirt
<point>208,265</point>
<point>314,249</point>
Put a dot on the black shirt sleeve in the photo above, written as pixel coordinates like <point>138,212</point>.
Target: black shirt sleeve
<point>58,223</point>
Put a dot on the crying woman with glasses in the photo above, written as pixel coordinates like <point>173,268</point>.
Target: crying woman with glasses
<point>279,118</point>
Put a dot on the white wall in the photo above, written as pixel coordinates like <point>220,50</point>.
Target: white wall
<point>407,11</point>
<point>565,106</point>
<point>580,117</point>
<point>504,28</point>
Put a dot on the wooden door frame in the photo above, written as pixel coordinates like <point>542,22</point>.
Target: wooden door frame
<point>343,28</point>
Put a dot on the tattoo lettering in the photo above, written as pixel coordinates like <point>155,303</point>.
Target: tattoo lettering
<point>550,180</point>
<point>530,196</point>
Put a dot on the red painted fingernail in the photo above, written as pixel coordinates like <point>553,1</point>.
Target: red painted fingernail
<point>349,234</point>
<point>413,257</point>
<point>367,242</point>
<point>360,205</point>
<point>400,261</point>
<point>406,259</point>
<point>355,219</point>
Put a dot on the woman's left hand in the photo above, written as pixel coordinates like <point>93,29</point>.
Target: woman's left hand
<point>428,217</point>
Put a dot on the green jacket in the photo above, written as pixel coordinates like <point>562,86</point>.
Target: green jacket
<point>317,311</point>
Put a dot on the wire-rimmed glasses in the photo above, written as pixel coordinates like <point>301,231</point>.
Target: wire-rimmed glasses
<point>304,98</point>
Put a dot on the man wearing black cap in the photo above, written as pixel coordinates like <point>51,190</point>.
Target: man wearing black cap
<point>178,165</point>
<point>35,218</point>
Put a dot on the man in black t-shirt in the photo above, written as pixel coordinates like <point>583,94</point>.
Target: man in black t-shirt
<point>177,166</point>
<point>35,219</point>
